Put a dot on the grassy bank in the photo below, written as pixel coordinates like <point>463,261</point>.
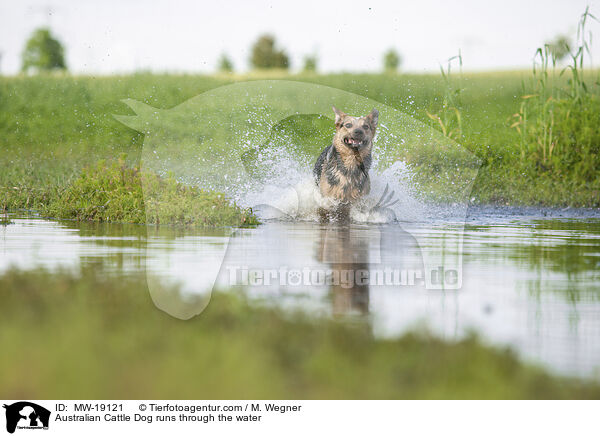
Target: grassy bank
<point>90,336</point>
<point>114,192</point>
<point>53,126</point>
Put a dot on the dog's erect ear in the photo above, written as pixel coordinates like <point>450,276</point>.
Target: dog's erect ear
<point>373,117</point>
<point>339,116</point>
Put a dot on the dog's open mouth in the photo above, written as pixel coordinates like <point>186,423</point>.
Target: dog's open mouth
<point>351,142</point>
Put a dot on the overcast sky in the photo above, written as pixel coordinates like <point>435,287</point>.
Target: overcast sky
<point>109,36</point>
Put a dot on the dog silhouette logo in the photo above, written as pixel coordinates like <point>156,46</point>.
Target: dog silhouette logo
<point>257,142</point>
<point>26,415</point>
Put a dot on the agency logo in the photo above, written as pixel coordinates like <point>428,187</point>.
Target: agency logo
<point>26,415</point>
<point>257,143</point>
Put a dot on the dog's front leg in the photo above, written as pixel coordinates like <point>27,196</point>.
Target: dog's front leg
<point>343,213</point>
<point>323,215</point>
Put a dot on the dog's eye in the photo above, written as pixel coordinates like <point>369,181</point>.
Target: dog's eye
<point>348,125</point>
<point>366,127</point>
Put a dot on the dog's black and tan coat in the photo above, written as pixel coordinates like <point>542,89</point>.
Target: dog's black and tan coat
<point>342,170</point>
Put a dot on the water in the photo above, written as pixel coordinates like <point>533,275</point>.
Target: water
<point>530,277</point>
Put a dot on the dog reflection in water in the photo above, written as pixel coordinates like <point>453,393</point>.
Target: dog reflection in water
<point>346,252</point>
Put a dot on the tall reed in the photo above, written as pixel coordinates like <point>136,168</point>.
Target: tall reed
<point>558,122</point>
<point>449,118</point>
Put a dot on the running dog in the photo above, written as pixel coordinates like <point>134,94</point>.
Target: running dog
<point>342,170</point>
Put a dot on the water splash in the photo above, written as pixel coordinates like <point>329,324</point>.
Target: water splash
<point>290,193</point>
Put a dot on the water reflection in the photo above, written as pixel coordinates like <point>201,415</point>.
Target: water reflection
<point>531,284</point>
<point>346,251</point>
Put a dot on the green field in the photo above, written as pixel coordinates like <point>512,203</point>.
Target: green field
<point>61,154</point>
<point>53,126</point>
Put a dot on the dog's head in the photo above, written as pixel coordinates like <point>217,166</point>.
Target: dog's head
<point>355,133</point>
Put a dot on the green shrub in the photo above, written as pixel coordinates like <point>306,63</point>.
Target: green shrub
<point>114,192</point>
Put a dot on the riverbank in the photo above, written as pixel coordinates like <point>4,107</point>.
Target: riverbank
<point>51,127</point>
<point>115,192</point>
<point>94,336</point>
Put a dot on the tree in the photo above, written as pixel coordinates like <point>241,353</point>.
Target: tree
<point>265,55</point>
<point>225,64</point>
<point>310,64</point>
<point>43,52</point>
<point>559,47</point>
<point>391,60</point>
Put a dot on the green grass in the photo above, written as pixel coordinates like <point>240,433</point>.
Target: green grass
<point>88,335</point>
<point>117,193</point>
<point>51,127</point>
<point>558,121</point>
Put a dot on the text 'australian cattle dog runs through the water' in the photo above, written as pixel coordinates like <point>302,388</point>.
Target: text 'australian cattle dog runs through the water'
<point>342,170</point>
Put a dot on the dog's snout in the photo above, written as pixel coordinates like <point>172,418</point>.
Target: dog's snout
<point>359,133</point>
